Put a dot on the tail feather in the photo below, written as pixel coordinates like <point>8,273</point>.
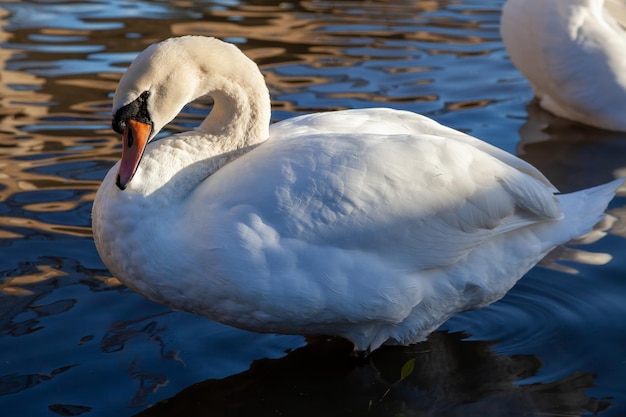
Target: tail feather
<point>585,208</point>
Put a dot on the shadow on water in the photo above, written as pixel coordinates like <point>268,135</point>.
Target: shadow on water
<point>445,376</point>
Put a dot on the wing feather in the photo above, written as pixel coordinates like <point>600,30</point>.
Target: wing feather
<point>428,199</point>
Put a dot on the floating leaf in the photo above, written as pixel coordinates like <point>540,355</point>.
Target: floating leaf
<point>407,369</point>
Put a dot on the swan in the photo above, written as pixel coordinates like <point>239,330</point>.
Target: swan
<point>374,225</point>
<point>573,54</point>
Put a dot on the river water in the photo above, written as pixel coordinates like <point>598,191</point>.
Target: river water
<point>74,341</point>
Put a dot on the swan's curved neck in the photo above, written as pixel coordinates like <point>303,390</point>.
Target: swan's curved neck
<point>240,116</point>
<point>237,123</point>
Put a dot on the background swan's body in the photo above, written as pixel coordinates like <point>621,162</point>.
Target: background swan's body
<point>375,225</point>
<point>572,53</point>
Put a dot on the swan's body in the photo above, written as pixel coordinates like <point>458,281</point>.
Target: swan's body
<point>573,53</point>
<point>375,225</point>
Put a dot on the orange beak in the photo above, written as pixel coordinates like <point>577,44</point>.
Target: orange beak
<point>134,141</point>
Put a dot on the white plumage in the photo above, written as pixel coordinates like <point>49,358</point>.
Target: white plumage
<point>573,53</point>
<point>376,225</point>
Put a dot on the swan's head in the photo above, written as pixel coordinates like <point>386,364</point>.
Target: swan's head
<point>162,80</point>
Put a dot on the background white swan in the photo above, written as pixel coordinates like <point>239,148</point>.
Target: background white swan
<point>573,53</point>
<point>376,225</point>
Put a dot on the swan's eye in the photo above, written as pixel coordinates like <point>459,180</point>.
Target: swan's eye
<point>136,110</point>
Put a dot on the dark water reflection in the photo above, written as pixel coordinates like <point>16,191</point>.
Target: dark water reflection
<point>446,376</point>
<point>574,156</point>
<point>73,341</point>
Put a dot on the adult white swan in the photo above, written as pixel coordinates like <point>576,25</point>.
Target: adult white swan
<point>573,53</point>
<point>376,225</point>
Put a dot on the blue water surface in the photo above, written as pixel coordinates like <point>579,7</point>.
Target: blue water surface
<point>73,341</point>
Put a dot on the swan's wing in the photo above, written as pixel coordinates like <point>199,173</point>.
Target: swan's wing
<point>419,201</point>
<point>386,121</point>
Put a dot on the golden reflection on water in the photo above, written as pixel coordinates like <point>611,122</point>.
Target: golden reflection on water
<point>12,285</point>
